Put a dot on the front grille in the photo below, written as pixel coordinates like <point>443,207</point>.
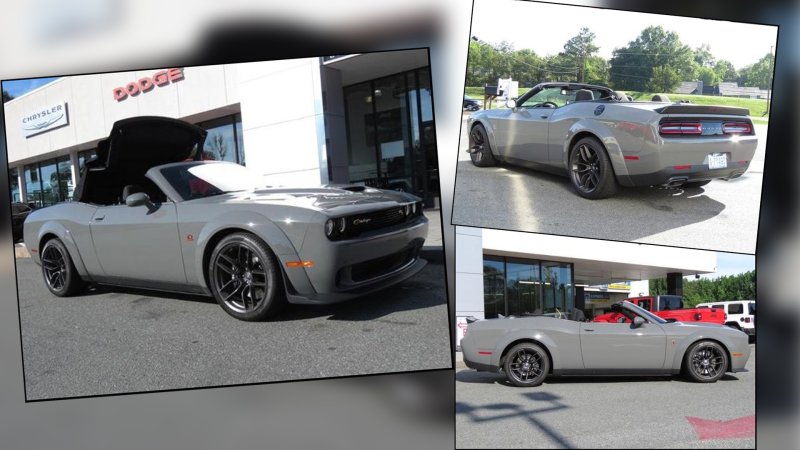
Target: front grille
<point>374,268</point>
<point>358,224</point>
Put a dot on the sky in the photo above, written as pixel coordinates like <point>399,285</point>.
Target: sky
<point>19,87</point>
<point>545,28</point>
<point>731,264</point>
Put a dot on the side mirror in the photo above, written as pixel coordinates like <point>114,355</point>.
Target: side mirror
<point>137,199</point>
<point>638,322</point>
<point>511,103</point>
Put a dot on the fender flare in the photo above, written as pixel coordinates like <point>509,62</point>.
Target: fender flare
<point>604,135</point>
<point>259,225</point>
<point>489,133</point>
<point>680,350</point>
<point>62,233</point>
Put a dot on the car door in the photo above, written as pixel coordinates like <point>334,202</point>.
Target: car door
<point>526,134</point>
<point>139,242</point>
<point>621,346</point>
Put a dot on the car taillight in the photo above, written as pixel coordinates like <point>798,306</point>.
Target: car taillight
<point>673,128</point>
<point>736,128</point>
<point>698,316</point>
<point>746,320</point>
<point>726,316</point>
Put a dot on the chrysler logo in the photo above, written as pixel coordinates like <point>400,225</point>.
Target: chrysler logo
<point>361,221</point>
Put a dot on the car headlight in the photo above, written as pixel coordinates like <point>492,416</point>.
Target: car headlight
<point>413,208</point>
<point>341,224</point>
<point>407,210</point>
<point>329,227</point>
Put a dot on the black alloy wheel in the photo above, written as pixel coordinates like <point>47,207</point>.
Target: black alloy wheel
<point>590,170</point>
<point>244,277</point>
<point>526,365</point>
<point>480,149</point>
<point>706,362</point>
<point>58,270</point>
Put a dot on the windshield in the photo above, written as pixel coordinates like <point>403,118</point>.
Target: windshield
<point>198,180</point>
<point>647,314</point>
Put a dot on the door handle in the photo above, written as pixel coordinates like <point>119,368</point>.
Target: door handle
<point>98,219</point>
<point>544,116</point>
<point>588,329</point>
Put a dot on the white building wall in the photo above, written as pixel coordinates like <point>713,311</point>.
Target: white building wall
<point>282,120</point>
<point>92,109</point>
<point>469,272</point>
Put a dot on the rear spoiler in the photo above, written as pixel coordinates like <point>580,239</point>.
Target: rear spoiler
<point>683,108</point>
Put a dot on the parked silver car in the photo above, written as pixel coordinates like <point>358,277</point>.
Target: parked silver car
<point>600,139</point>
<point>148,213</point>
<point>528,349</point>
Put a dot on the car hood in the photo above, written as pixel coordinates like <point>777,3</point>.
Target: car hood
<point>328,199</point>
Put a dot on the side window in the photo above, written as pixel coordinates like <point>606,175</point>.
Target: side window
<point>669,302</point>
<point>645,304</point>
<point>735,308</point>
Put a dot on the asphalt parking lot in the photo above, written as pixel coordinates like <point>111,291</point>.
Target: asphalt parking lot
<point>527,200</point>
<point>606,412</point>
<point>114,340</point>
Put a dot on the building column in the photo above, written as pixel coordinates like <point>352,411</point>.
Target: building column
<point>675,283</point>
<point>23,189</point>
<point>580,297</point>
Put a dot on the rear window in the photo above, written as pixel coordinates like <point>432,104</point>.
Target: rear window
<point>752,308</point>
<point>667,302</point>
<point>718,306</point>
<point>735,308</point>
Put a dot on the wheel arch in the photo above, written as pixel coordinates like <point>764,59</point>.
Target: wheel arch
<point>700,339</point>
<point>263,228</point>
<point>487,126</point>
<point>55,230</point>
<point>510,345</point>
<point>586,128</point>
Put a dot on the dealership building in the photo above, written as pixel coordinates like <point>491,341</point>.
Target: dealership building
<point>361,118</point>
<point>512,273</point>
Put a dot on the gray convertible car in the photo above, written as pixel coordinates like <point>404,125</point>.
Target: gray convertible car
<point>528,349</point>
<point>601,139</point>
<point>149,213</point>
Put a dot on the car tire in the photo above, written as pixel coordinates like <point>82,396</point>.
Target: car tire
<point>59,272</point>
<point>705,362</point>
<point>479,140</point>
<point>245,278</point>
<point>695,184</point>
<point>590,170</point>
<point>532,374</point>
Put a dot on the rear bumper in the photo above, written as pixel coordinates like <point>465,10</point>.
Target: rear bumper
<point>677,177</point>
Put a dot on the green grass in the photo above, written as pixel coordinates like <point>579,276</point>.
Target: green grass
<point>757,107</point>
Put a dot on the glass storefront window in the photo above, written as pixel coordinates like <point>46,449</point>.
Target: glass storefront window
<point>513,286</point>
<point>523,287</point>
<point>391,142</point>
<point>65,185</point>
<point>13,178</point>
<point>33,187</point>
<point>224,141</point>
<point>493,287</point>
<point>558,289</point>
<point>48,173</point>
<point>362,158</point>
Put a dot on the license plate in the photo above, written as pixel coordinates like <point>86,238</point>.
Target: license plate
<point>717,161</point>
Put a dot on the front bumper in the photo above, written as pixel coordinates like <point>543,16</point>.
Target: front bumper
<point>355,267</point>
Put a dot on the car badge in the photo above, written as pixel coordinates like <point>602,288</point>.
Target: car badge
<point>599,110</point>
<point>361,221</point>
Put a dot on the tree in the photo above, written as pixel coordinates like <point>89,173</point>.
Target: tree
<point>708,76</point>
<point>703,56</point>
<point>578,50</point>
<point>7,96</point>
<point>725,71</point>
<point>632,67</point>
<point>758,74</point>
<point>664,79</point>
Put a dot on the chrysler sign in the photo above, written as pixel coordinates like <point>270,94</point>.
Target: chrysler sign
<point>45,119</point>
